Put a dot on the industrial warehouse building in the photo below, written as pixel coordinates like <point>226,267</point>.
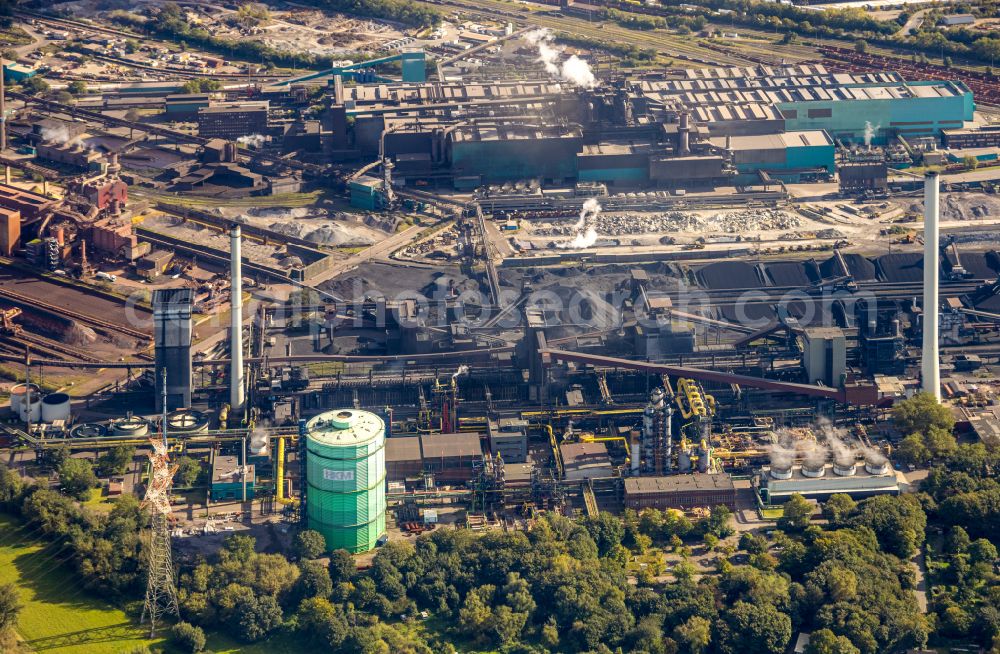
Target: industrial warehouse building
<point>781,121</point>
<point>858,481</point>
<point>231,120</point>
<point>788,156</point>
<point>228,479</point>
<point>680,491</point>
<point>583,461</point>
<point>451,457</point>
<point>403,459</point>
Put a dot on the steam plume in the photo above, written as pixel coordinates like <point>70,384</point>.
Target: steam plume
<point>573,70</point>
<point>870,132</point>
<point>586,235</point>
<point>254,140</point>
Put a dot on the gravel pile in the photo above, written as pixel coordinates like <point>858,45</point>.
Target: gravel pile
<point>731,222</point>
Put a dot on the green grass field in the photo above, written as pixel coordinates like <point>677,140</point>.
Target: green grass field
<point>59,617</point>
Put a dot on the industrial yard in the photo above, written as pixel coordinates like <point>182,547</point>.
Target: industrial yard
<point>301,311</point>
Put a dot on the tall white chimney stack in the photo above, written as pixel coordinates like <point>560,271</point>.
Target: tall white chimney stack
<point>930,367</point>
<point>236,391</point>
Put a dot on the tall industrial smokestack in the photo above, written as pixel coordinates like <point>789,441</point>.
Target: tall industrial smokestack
<point>684,134</point>
<point>931,362</point>
<point>236,394</point>
<point>3,108</point>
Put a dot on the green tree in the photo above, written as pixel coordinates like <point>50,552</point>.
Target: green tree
<point>77,87</point>
<point>54,457</point>
<point>10,607</point>
<point>839,508</point>
<point>861,46</point>
<point>748,628</point>
<point>76,478</point>
<point>239,547</point>
<point>920,413</point>
<point>695,634</point>
<point>508,624</point>
<point>35,86</point>
<point>970,162</point>
<point>752,543</point>
<point>314,580</point>
<point>475,615</point>
<point>309,544</point>
<point>256,617</point>
<point>550,633</point>
<point>188,471</point>
<point>11,487</point>
<point>342,566</point>
<point>795,514</point>
<point>824,641</point>
<point>115,461</point>
<point>898,522</point>
<point>188,637</point>
<point>322,623</point>
<point>912,450</point>
<point>606,530</point>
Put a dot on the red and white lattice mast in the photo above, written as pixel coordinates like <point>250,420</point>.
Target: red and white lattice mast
<point>161,589</point>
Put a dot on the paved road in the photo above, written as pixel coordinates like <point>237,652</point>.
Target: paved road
<point>913,22</point>
<point>920,590</point>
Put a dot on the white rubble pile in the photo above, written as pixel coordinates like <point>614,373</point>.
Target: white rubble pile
<point>731,222</point>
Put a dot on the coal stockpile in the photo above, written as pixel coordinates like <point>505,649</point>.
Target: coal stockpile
<point>860,268</point>
<point>749,313</point>
<point>807,312</point>
<point>981,265</point>
<point>729,274</point>
<point>901,267</point>
<point>788,273</point>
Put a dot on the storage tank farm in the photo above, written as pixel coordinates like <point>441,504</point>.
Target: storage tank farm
<point>345,478</point>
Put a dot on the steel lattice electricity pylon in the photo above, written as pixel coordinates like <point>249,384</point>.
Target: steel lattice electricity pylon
<point>161,590</point>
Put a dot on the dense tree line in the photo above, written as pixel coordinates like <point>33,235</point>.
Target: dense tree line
<point>400,11</point>
<point>104,548</point>
<point>962,496</point>
<point>573,586</point>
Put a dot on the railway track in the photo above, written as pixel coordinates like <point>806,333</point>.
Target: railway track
<point>93,321</point>
<point>43,344</point>
<point>77,25</point>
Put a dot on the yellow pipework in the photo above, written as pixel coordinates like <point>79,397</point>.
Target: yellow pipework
<point>555,449</point>
<point>280,476</point>
<point>281,470</point>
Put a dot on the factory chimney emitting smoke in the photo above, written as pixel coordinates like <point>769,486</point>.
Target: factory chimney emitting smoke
<point>236,395</point>
<point>930,367</point>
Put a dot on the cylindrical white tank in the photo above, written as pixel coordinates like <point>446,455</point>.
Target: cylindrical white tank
<point>56,406</point>
<point>781,471</point>
<point>187,421</point>
<point>17,393</point>
<point>88,430</point>
<point>31,407</point>
<point>131,426</point>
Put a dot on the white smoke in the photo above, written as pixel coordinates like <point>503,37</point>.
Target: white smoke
<point>578,72</point>
<point>590,208</point>
<point>586,235</point>
<point>462,370</point>
<point>58,133</point>
<point>574,70</point>
<point>870,131</point>
<point>254,140</point>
